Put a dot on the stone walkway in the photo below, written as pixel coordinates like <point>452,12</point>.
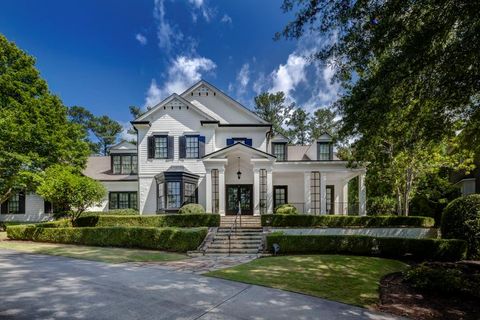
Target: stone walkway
<point>199,265</point>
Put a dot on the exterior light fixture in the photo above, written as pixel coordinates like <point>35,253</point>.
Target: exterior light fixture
<point>239,173</point>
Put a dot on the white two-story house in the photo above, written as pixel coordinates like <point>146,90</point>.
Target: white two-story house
<point>202,146</point>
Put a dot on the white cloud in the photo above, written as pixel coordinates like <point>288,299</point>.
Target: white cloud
<point>141,39</point>
<point>183,72</point>
<point>124,135</point>
<point>243,78</point>
<point>226,19</point>
<point>168,35</point>
<point>289,75</point>
<point>204,9</point>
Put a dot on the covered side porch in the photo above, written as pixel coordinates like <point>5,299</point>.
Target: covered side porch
<point>241,176</point>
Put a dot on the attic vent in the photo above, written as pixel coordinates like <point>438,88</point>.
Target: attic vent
<point>206,93</point>
<point>191,94</point>
<point>164,108</point>
<point>199,93</point>
<point>214,93</point>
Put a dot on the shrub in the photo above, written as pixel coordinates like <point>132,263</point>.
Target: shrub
<point>191,208</point>
<point>116,212</point>
<point>62,223</point>
<point>381,206</point>
<point>286,209</point>
<point>304,220</point>
<point>419,249</point>
<point>461,220</point>
<point>444,279</point>
<point>170,239</point>
<point>159,221</point>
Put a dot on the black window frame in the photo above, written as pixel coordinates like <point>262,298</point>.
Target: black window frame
<point>329,148</point>
<point>160,155</point>
<point>263,190</point>
<point>284,149</point>
<point>315,192</point>
<point>215,191</point>
<point>121,156</point>
<point>275,188</point>
<point>330,200</point>
<point>166,180</point>
<point>188,149</point>
<point>116,194</point>
<point>20,204</point>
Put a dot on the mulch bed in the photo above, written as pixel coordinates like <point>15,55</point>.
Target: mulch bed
<point>397,297</point>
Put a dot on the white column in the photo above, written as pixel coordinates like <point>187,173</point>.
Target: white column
<point>256,191</point>
<point>362,195</point>
<point>307,201</point>
<point>269,191</point>
<point>221,191</point>
<point>208,191</point>
<point>323,193</point>
<point>344,198</point>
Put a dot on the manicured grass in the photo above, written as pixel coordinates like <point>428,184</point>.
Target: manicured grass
<point>348,279</point>
<point>104,254</point>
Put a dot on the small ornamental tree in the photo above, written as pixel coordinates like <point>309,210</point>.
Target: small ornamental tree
<point>66,188</point>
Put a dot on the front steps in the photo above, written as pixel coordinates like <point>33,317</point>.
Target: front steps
<point>246,238</point>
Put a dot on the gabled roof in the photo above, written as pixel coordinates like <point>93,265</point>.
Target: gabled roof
<point>239,146</point>
<point>237,104</point>
<point>124,145</point>
<point>169,99</point>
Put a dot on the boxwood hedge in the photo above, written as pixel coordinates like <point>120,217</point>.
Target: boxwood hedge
<point>169,239</point>
<point>159,221</point>
<point>305,220</point>
<point>417,249</point>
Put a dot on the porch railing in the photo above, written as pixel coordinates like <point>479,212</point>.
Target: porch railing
<point>343,208</point>
<point>233,227</point>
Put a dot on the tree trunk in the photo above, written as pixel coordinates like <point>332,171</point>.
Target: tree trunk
<point>6,195</point>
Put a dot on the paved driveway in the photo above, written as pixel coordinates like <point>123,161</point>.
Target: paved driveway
<point>48,287</point>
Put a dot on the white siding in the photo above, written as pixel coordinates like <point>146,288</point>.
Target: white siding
<point>258,136</point>
<point>295,183</point>
<point>34,210</point>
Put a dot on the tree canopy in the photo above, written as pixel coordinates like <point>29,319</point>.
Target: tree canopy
<point>34,130</point>
<point>273,108</point>
<point>411,81</point>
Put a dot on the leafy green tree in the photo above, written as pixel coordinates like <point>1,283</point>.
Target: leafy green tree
<point>323,120</point>
<point>34,129</point>
<point>272,108</point>
<point>299,131</point>
<point>106,130</point>
<point>409,71</point>
<point>85,118</point>
<point>65,187</point>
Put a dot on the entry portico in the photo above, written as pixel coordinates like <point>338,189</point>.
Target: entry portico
<point>241,174</point>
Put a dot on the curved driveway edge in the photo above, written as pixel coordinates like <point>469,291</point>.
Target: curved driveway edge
<point>50,287</point>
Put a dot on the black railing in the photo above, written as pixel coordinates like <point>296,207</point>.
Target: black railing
<point>234,227</point>
<point>340,208</point>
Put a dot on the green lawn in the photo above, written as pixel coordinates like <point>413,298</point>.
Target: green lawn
<point>349,279</point>
<point>105,254</point>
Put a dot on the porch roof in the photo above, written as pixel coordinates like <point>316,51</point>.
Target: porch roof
<point>239,146</point>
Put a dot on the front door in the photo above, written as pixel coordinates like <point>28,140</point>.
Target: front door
<point>239,194</point>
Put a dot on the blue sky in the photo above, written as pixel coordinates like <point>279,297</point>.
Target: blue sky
<point>106,55</point>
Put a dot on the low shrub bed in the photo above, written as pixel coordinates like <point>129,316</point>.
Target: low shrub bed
<point>417,249</point>
<point>159,221</point>
<point>305,220</point>
<point>169,239</point>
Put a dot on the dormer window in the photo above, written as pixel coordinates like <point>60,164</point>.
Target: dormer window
<point>324,151</point>
<point>245,141</point>
<point>124,164</point>
<point>279,150</point>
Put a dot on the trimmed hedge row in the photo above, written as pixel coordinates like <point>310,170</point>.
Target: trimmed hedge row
<point>304,220</point>
<point>169,239</point>
<point>159,221</point>
<point>418,249</point>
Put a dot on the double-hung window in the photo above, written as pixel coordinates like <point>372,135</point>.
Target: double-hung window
<point>174,196</point>
<point>161,147</point>
<point>15,204</point>
<point>175,189</point>
<point>122,200</point>
<point>324,150</point>
<point>191,147</point>
<point>124,164</point>
<point>279,150</point>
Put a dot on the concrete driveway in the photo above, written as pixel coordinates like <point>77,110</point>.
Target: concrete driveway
<point>49,287</point>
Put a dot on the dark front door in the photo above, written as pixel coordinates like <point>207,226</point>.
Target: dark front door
<point>239,194</point>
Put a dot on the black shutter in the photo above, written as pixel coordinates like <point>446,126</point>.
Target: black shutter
<point>248,142</point>
<point>151,147</point>
<point>171,147</point>
<point>182,145</point>
<point>201,146</point>
<point>230,142</point>
<point>47,207</point>
<point>21,199</point>
<point>4,207</point>
<point>331,151</point>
